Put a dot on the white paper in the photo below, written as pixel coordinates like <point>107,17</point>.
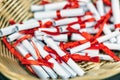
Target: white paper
<point>90,30</point>
<point>57,68</point>
<point>76,36</point>
<point>35,8</point>
<point>92,8</point>
<point>108,36</point>
<point>53,6</point>
<point>112,46</point>
<point>106,31</point>
<point>29,47</point>
<point>73,73</point>
<point>80,47</point>
<point>14,36</point>
<point>100,7</point>
<point>61,37</point>
<point>70,62</point>
<point>47,29</point>
<point>116,11</point>
<point>101,56</point>
<point>63,64</point>
<point>27,26</point>
<point>89,54</point>
<point>7,30</point>
<point>64,13</point>
<point>91,51</point>
<point>65,21</point>
<point>75,67</point>
<point>38,69</point>
<point>105,57</point>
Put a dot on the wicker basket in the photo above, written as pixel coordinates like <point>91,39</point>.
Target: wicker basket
<point>10,66</point>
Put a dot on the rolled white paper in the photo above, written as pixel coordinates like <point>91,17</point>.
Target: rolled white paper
<point>31,24</point>
<point>60,5</point>
<point>66,21</point>
<point>107,30</point>
<point>37,69</point>
<point>63,64</point>
<point>116,14</point>
<point>14,36</point>
<point>92,8</point>
<point>52,6</point>
<point>37,8</point>
<point>91,51</point>
<point>112,46</point>
<point>70,62</point>
<point>8,30</point>
<point>63,13</point>
<point>105,57</point>
<point>60,37</point>
<point>32,51</point>
<point>46,29</point>
<point>29,21</point>
<point>89,54</point>
<point>116,11</point>
<point>27,26</point>
<point>101,10</point>
<point>57,68</point>
<point>100,7</point>
<point>111,26</point>
<point>80,47</point>
<point>62,29</point>
<point>76,36</point>
<point>90,30</point>
<point>107,8</point>
<point>108,36</point>
<point>101,56</point>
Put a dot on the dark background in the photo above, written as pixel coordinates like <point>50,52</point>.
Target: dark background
<point>116,77</point>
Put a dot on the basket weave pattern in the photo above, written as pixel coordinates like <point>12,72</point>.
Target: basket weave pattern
<point>19,10</point>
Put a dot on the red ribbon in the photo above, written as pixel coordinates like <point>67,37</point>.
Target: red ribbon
<point>117,25</point>
<point>53,52</point>
<point>21,39</point>
<point>72,4</point>
<point>40,60</point>
<point>109,52</point>
<point>78,57</point>
<point>12,49</point>
<point>53,33</point>
<point>12,22</point>
<point>65,58</point>
<point>43,2</point>
<point>58,14</point>
<point>101,24</point>
<point>47,24</point>
<point>107,2</point>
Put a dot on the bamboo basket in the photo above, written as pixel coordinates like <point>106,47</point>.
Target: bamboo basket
<point>19,10</point>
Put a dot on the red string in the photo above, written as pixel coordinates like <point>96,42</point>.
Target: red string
<point>78,57</point>
<point>117,25</point>
<point>22,39</point>
<point>53,52</point>
<point>109,52</point>
<point>53,33</point>
<point>58,14</point>
<point>43,2</point>
<point>12,49</point>
<point>107,2</point>
<point>12,22</point>
<point>40,60</point>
